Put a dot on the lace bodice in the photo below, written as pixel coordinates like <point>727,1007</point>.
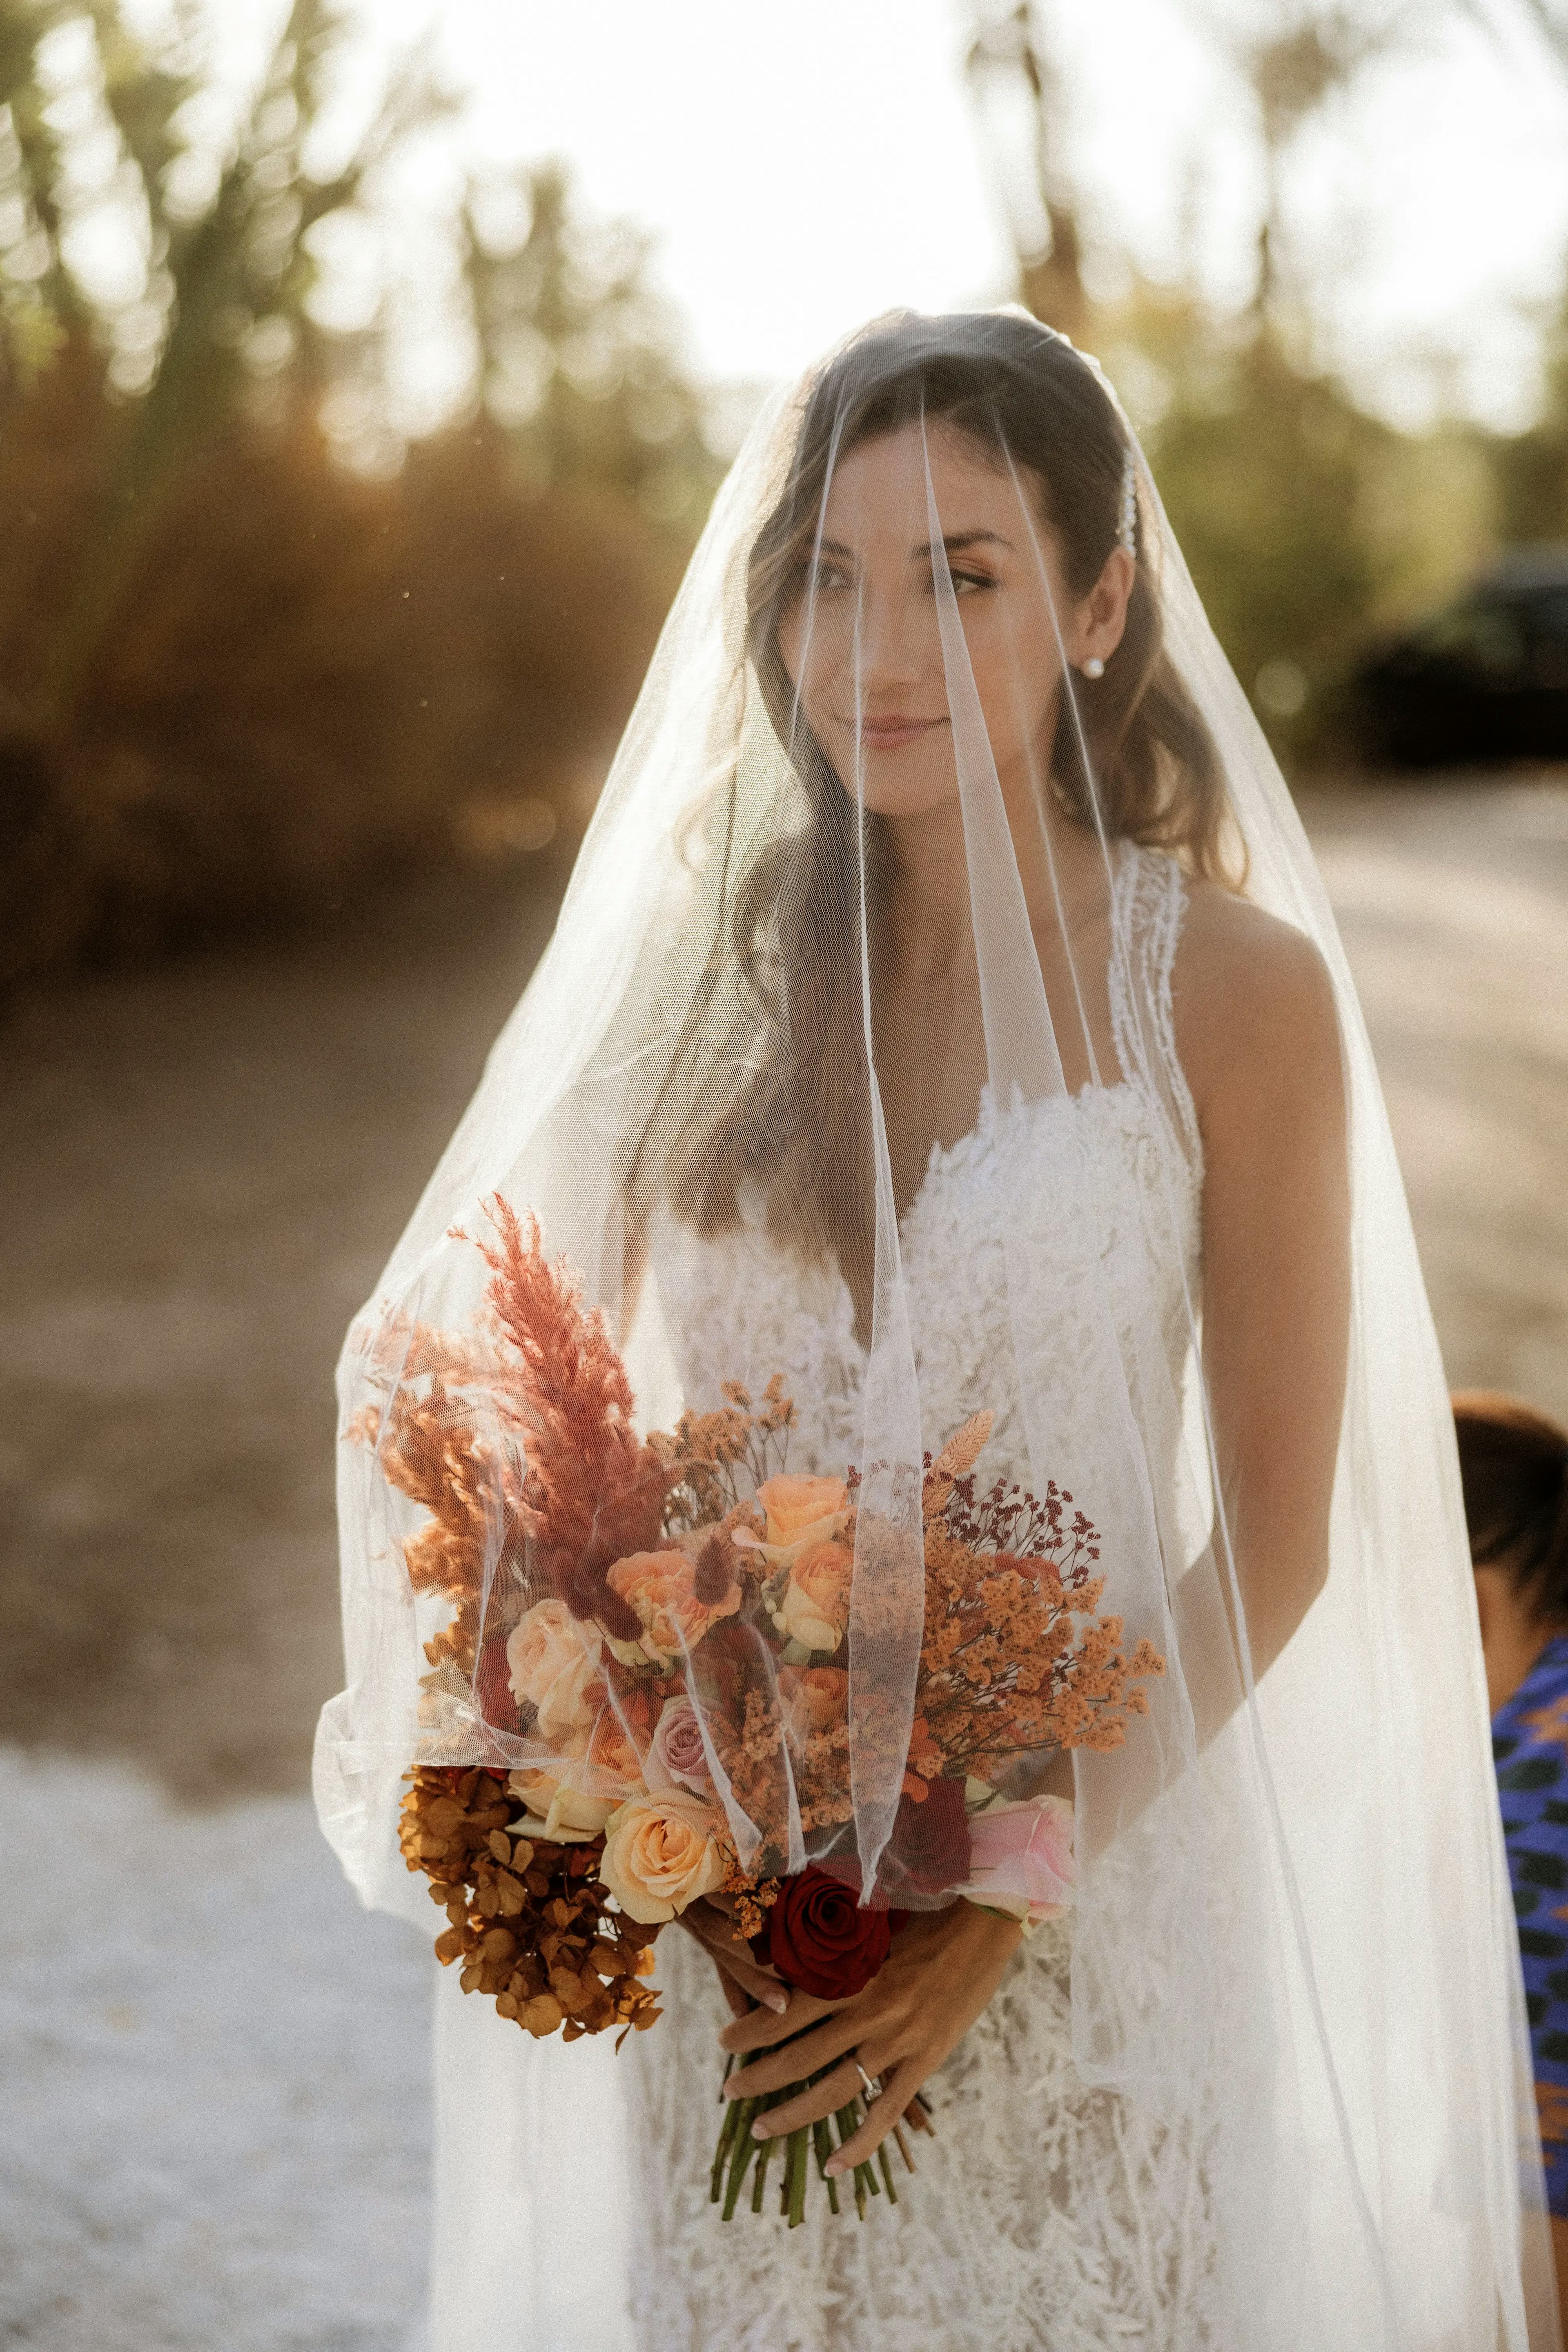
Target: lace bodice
<point>1007,1203</point>
<point>1036,2220</point>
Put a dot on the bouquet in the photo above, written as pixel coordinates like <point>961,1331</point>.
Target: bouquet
<point>648,1643</point>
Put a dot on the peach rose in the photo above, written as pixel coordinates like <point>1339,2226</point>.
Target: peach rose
<point>661,1852</point>
<point>612,1752</point>
<point>558,1812</point>
<point>800,1511</point>
<point>661,1587</point>
<point>551,1658</point>
<point>812,1699</point>
<point>815,1608</point>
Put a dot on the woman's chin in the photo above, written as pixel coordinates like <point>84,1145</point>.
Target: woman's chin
<point>896,785</point>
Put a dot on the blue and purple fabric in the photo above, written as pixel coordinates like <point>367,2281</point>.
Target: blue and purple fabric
<point>1530,1741</point>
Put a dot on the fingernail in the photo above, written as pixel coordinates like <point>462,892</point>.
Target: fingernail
<point>777,2001</point>
<point>834,2166</point>
<point>762,2130</point>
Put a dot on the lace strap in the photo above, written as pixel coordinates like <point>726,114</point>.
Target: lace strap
<point>1148,905</point>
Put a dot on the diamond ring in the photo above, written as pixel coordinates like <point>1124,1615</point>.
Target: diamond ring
<point>873,2086</point>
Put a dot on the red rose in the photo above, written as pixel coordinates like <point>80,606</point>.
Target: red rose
<point>929,1850</point>
<point>819,1938</point>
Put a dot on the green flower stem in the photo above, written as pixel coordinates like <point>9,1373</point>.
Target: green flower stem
<point>765,2151</point>
<point>742,2150</point>
<point>886,2173</point>
<point>799,2141</point>
<point>821,2136</point>
<point>726,2138</point>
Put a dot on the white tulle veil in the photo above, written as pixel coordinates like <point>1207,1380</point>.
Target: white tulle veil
<point>1293,1941</point>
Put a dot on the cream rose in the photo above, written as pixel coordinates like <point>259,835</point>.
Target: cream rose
<point>552,1659</point>
<point>800,1511</point>
<point>815,1607</point>
<point>660,1853</point>
<point>558,1812</point>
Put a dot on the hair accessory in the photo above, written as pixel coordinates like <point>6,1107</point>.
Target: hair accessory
<point>1127,527</point>
<point>1094,666</point>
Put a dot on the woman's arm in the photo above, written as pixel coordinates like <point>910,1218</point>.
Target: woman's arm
<point>1258,1039</point>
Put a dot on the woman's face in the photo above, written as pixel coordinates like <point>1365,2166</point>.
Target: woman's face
<point>862,642</point>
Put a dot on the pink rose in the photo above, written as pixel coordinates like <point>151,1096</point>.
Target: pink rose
<point>1021,1858</point>
<point>677,1759</point>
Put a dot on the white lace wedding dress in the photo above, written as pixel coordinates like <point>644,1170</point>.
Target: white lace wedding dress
<point>1032,2223</point>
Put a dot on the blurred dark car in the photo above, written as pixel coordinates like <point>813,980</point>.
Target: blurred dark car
<point>1487,679</point>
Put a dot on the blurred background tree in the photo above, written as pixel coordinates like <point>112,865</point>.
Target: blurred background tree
<point>258,633</point>
<point>343,486</point>
<point>1310,525</point>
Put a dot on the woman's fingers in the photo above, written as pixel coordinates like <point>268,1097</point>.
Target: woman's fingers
<point>764,2027</point>
<point>801,2055</point>
<point>738,1968</point>
<point>812,2105</point>
<point>881,2114</point>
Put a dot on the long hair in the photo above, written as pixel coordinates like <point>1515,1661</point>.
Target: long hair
<point>1145,767</point>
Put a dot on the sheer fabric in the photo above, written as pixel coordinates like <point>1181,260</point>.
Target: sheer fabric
<point>855,1060</point>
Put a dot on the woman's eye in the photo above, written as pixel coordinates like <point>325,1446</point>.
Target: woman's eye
<point>826,576</point>
<point>967,582</point>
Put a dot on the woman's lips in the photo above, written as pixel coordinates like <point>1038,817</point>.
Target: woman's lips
<point>889,734</point>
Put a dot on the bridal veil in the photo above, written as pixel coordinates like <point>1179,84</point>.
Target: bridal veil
<point>1293,1945</point>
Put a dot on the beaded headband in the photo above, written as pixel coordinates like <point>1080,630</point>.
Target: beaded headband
<point>1127,526</point>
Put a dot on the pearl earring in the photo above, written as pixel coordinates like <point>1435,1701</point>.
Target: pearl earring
<point>1094,666</point>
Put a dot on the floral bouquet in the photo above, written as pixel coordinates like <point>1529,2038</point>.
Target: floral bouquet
<point>648,1641</point>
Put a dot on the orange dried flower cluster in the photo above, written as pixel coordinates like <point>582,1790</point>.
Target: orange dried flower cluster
<point>1004,1673</point>
<point>528,1919</point>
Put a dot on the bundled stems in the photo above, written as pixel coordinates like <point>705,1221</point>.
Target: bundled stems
<point>737,2154</point>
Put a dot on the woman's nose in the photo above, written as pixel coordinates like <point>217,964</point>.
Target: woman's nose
<point>892,646</point>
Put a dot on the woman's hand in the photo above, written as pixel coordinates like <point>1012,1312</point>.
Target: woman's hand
<point>943,1968</point>
<point>744,1980</point>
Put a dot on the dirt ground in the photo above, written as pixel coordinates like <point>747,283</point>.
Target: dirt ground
<point>202,1168</point>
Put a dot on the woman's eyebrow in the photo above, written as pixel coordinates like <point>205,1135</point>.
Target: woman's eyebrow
<point>955,541</point>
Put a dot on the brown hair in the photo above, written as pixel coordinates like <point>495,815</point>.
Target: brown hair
<point>1513,1462</point>
<point>1145,768</point>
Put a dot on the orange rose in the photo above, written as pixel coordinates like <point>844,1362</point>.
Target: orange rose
<point>661,1852</point>
<point>812,1699</point>
<point>552,1659</point>
<point>800,1511</point>
<point>796,1507</point>
<point>814,1609</point>
<point>661,1587</point>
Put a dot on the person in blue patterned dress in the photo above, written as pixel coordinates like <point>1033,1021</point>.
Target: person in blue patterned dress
<point>1514,1464</point>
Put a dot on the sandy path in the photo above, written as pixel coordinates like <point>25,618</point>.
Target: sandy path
<point>217,2127</point>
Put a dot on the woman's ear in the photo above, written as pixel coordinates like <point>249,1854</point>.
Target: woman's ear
<point>1101,618</point>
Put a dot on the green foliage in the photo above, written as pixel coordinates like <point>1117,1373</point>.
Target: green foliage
<point>1309,525</point>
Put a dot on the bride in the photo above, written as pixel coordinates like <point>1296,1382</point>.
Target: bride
<point>945,1017</point>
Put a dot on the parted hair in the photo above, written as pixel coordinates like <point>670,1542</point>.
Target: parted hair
<point>1137,758</point>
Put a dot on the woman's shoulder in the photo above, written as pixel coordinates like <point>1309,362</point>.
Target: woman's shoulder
<point>1252,998</point>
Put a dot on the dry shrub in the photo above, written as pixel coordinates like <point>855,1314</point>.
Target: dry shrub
<point>301,676</point>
